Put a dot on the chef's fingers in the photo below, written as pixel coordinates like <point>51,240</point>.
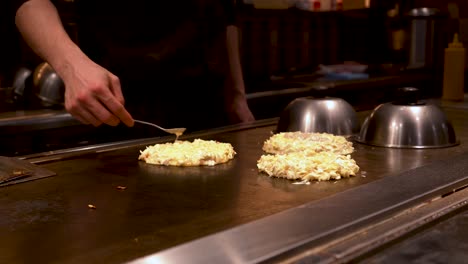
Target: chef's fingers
<point>111,111</point>
<point>80,118</point>
<point>116,108</point>
<point>79,109</point>
<point>80,112</point>
<point>103,115</point>
<point>116,88</point>
<point>93,111</point>
<point>86,117</point>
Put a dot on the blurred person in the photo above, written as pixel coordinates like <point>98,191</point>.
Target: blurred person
<point>175,63</point>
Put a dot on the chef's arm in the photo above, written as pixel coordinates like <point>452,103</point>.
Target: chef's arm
<point>41,27</point>
<point>92,94</point>
<point>235,96</point>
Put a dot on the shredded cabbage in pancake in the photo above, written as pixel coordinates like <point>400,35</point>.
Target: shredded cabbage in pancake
<point>321,166</point>
<point>184,153</point>
<point>288,142</point>
<point>308,156</point>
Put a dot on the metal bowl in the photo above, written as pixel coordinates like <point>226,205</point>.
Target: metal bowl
<point>322,115</point>
<point>20,82</point>
<point>405,124</point>
<point>48,86</point>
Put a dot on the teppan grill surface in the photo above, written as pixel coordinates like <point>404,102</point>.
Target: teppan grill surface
<point>105,206</point>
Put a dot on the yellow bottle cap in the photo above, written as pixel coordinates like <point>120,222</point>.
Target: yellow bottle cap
<point>455,43</point>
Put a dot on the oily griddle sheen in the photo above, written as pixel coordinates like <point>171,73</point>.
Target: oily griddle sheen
<point>185,153</point>
<point>308,156</point>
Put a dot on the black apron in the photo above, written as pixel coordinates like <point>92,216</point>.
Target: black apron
<point>169,55</point>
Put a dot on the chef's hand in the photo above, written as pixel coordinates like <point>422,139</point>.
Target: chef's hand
<point>93,95</point>
<point>239,111</point>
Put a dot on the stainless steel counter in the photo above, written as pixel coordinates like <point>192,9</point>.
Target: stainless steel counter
<point>34,120</point>
<point>227,213</point>
<point>33,131</point>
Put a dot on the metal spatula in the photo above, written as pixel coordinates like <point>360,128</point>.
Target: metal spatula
<point>176,131</point>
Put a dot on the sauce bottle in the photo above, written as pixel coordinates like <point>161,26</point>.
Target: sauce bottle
<point>454,71</point>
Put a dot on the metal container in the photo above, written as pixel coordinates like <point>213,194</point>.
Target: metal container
<point>322,115</point>
<point>421,36</point>
<point>408,123</point>
<point>20,82</point>
<point>48,86</point>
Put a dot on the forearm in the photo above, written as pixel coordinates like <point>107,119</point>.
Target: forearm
<point>236,79</point>
<point>93,94</point>
<point>40,25</point>
<point>236,100</point>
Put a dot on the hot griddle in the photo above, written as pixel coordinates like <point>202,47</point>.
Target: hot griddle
<point>105,206</point>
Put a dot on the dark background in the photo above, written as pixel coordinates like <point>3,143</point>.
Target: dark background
<point>272,41</point>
